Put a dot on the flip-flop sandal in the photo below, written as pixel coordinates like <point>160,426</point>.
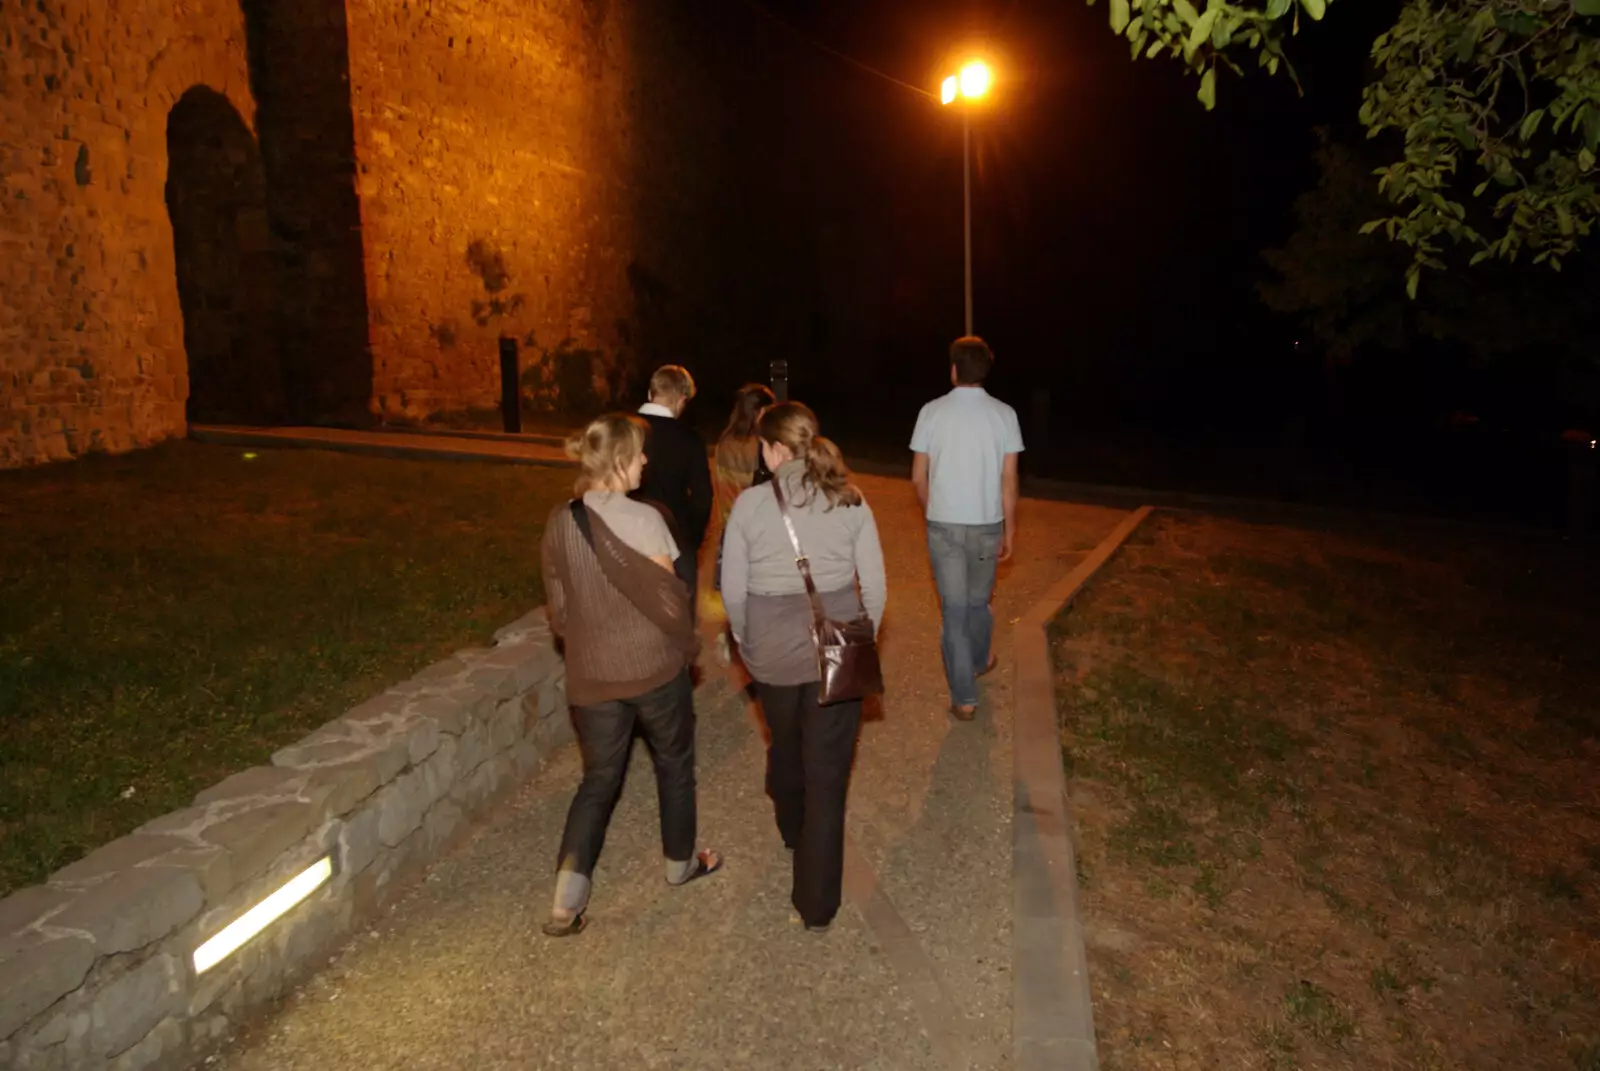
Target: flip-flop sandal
<point>702,868</point>
<point>963,713</point>
<point>569,928</point>
<point>994,662</point>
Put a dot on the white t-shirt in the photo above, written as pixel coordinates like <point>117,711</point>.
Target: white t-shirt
<point>637,524</point>
<point>966,435</point>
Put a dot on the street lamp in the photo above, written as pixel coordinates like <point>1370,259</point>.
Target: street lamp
<point>969,84</point>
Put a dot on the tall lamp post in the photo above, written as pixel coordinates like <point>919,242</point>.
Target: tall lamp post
<point>971,83</point>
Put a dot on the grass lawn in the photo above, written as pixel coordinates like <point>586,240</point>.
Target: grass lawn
<point>170,616</point>
<point>1338,799</point>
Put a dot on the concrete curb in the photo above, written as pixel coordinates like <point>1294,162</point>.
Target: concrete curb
<point>536,438</point>
<point>384,444</point>
<point>1053,1016</point>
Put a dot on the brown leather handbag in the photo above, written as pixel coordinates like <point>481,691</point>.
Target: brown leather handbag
<point>847,651</point>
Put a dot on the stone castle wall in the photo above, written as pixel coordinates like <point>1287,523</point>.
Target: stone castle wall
<point>399,186</point>
<point>91,345</point>
<point>493,140</point>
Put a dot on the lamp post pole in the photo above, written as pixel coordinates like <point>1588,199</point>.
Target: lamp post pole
<point>966,203</point>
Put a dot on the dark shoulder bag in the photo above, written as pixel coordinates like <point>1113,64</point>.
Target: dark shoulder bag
<point>847,651</point>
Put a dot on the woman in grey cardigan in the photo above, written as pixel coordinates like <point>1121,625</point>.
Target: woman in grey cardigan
<point>812,747</point>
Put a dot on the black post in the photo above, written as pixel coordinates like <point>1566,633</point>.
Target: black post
<point>510,395</point>
<point>1583,472</point>
<point>780,380</point>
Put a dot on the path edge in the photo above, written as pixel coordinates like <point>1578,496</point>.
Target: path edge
<point>1053,1012</point>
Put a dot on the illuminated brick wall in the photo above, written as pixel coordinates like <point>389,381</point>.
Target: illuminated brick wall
<point>91,340</point>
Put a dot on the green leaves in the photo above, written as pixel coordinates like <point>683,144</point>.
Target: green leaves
<point>1208,89</point>
<point>1277,9</point>
<point>1119,16</point>
<point>1530,124</point>
<point>1200,33</point>
<point>1315,8</point>
<point>1587,8</point>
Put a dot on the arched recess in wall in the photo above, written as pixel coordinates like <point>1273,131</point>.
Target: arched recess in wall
<point>222,253</point>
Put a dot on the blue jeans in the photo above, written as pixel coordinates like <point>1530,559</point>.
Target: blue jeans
<point>964,557</point>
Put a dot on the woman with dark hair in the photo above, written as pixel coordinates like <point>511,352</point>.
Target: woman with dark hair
<point>812,746</point>
<point>738,453</point>
<point>629,638</point>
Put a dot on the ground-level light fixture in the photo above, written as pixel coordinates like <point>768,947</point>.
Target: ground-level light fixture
<point>262,915</point>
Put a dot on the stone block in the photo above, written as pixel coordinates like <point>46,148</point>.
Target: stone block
<point>506,728</point>
<point>441,772</point>
<point>255,838</point>
<point>309,754</point>
<point>212,867</point>
<point>347,783</point>
<point>35,976</point>
<point>258,781</point>
<point>27,906</point>
<point>445,710</point>
<point>121,854</point>
<point>399,809</point>
<point>444,820</point>
<point>190,820</point>
<point>473,747</point>
<point>359,842</point>
<point>422,739</point>
<point>168,1039</point>
<point>141,906</point>
<point>498,678</point>
<point>129,1007</point>
<point>552,698</point>
<point>536,664</point>
<point>394,755</point>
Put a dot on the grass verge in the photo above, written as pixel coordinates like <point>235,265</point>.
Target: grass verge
<point>1338,799</point>
<point>170,616</point>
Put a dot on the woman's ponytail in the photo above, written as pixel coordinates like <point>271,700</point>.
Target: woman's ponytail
<point>795,426</point>
<point>827,472</point>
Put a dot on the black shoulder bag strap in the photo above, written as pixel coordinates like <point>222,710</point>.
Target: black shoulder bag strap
<point>580,515</point>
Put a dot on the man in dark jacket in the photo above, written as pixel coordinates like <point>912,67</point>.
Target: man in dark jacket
<point>677,474</point>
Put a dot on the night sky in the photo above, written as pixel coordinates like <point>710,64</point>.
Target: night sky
<point>1118,226</point>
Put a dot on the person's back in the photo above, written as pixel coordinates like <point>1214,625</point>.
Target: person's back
<point>964,468</point>
<point>810,745</point>
<point>677,473</point>
<point>677,458</point>
<point>966,435</point>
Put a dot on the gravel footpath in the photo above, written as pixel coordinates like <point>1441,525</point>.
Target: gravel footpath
<point>914,974</point>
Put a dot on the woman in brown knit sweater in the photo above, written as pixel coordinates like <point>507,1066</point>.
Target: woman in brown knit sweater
<point>629,639</point>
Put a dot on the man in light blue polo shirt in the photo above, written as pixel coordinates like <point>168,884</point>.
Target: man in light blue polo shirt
<point>964,467</point>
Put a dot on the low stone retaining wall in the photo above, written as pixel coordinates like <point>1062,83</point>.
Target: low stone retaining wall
<point>97,965</point>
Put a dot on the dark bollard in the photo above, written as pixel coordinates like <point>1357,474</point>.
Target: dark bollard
<point>510,393</point>
<point>1583,468</point>
<point>780,380</point>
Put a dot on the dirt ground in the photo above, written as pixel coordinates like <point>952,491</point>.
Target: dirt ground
<point>1337,799</point>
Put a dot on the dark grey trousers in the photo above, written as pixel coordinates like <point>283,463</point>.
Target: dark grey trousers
<point>665,718</point>
<point>808,778</point>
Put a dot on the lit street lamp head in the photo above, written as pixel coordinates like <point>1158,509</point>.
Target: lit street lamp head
<point>972,82</point>
<point>975,79</point>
